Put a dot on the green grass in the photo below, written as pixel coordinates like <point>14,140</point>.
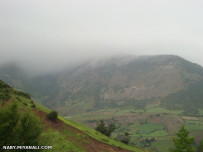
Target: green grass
<point>59,142</point>
<point>93,133</point>
<point>158,133</point>
<point>150,127</point>
<point>127,111</point>
<point>134,126</point>
<point>144,130</point>
<point>201,112</point>
<point>162,110</point>
<point>194,127</point>
<point>162,145</point>
<point>99,136</point>
<point>196,133</point>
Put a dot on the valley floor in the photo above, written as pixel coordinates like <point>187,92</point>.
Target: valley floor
<point>152,128</point>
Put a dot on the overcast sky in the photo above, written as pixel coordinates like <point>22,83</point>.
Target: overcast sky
<point>45,33</point>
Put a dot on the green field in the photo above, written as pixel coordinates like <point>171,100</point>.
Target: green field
<point>162,110</point>
<point>162,145</point>
<point>152,122</point>
<point>194,124</point>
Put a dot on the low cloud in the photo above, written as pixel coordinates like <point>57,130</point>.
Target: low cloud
<point>50,34</point>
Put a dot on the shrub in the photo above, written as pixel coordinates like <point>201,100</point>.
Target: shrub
<point>25,103</point>
<point>52,116</point>
<point>125,138</point>
<point>33,106</point>
<point>106,130</point>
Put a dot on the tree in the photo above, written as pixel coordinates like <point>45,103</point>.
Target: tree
<point>18,128</point>
<point>101,127</point>
<point>9,118</point>
<point>110,129</point>
<point>52,116</point>
<point>124,138</point>
<point>183,143</point>
<point>106,130</point>
<point>200,147</point>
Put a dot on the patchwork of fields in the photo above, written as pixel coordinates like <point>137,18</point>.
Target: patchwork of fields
<point>153,127</point>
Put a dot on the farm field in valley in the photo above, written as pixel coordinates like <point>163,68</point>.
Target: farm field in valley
<point>153,127</point>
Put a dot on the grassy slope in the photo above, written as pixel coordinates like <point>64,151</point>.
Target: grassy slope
<point>64,139</point>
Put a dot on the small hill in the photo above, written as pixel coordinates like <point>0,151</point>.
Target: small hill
<point>63,135</point>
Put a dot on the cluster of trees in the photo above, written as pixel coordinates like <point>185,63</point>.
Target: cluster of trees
<point>18,128</point>
<point>105,129</point>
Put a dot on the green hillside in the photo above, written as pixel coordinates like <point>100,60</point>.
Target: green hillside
<point>64,135</point>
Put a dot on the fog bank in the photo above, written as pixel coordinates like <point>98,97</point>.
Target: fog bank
<point>50,34</point>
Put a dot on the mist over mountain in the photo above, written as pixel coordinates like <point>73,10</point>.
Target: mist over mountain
<point>47,35</point>
<point>109,82</point>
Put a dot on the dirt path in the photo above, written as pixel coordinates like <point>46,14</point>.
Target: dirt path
<point>93,145</point>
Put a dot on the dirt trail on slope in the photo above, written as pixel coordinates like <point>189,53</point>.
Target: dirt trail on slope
<point>93,145</point>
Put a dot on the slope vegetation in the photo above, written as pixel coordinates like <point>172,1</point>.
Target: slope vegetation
<point>63,135</point>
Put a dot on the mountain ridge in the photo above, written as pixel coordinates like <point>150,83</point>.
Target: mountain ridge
<point>109,80</point>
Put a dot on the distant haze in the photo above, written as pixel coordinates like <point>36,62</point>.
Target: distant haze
<point>48,34</point>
